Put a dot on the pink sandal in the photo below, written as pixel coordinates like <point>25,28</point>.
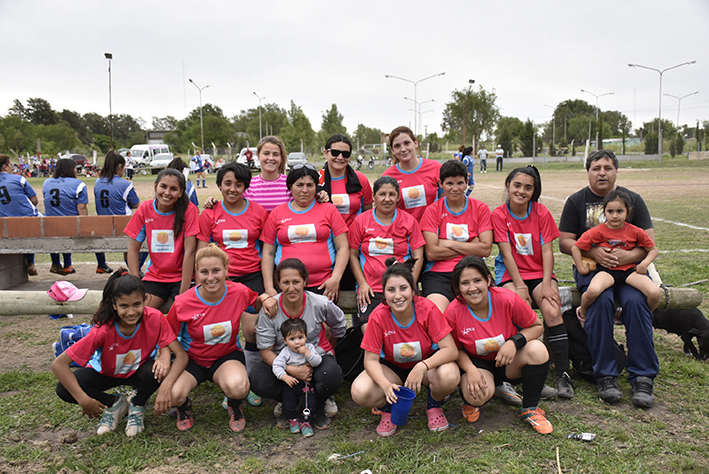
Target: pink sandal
<point>386,427</point>
<point>436,419</point>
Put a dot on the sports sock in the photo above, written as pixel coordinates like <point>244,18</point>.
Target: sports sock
<point>533,379</point>
<point>559,345</point>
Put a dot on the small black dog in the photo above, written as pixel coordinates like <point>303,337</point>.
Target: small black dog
<point>686,323</point>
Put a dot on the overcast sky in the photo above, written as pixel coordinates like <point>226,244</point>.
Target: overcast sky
<point>317,53</point>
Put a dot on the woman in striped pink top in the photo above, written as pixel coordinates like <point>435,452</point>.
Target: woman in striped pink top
<point>269,187</point>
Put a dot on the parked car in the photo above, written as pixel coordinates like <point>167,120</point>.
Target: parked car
<point>160,161</point>
<point>143,154</point>
<point>296,158</point>
<point>254,163</point>
<point>81,161</point>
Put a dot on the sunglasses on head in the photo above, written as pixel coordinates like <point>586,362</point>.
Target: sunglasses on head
<point>336,153</point>
<point>304,165</point>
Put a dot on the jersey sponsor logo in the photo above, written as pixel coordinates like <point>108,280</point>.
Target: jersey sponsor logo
<point>465,331</point>
<point>414,196</point>
<point>489,344</point>
<point>342,203</point>
<point>112,346</point>
<point>235,238</point>
<point>523,244</point>
<point>389,333</point>
<point>286,219</point>
<point>197,316</point>
<point>217,333</point>
<point>302,233</point>
<point>368,230</point>
<point>457,232</point>
<point>128,362</point>
<point>381,246</point>
<point>407,351</point>
<point>219,221</point>
<point>149,219</point>
<point>162,241</point>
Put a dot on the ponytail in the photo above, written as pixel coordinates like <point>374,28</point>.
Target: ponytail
<point>110,165</point>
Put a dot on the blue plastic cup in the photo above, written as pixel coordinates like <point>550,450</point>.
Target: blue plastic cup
<point>400,410</point>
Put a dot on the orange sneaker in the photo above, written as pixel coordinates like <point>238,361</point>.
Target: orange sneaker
<point>536,418</point>
<point>471,413</point>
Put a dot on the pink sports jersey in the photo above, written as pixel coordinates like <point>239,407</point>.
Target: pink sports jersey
<point>209,331</point>
<point>270,194</point>
<point>350,205</point>
<point>122,355</point>
<point>462,227</point>
<point>419,188</point>
<point>627,238</point>
<point>236,234</point>
<point>482,335</point>
<point>526,236</point>
<point>376,242</point>
<point>306,235</point>
<point>405,346</point>
<point>166,251</point>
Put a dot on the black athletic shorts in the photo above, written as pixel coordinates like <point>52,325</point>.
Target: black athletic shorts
<point>437,282</point>
<point>201,373</point>
<point>162,290</point>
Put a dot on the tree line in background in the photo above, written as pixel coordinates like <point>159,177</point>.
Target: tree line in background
<point>470,113</point>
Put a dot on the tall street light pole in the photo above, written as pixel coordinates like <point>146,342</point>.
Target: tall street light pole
<point>660,72</point>
<point>679,103</point>
<point>260,133</point>
<point>109,56</point>
<point>415,83</point>
<point>417,108</point>
<point>465,107</point>
<point>201,119</point>
<point>553,128</point>
<point>598,145</point>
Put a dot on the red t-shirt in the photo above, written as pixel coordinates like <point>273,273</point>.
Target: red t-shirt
<point>526,235</point>
<point>166,250</point>
<point>236,234</point>
<point>627,238</point>
<point>462,227</point>
<point>405,346</point>
<point>307,235</point>
<point>419,188</point>
<point>119,355</point>
<point>209,331</point>
<point>376,242</point>
<point>350,205</point>
<point>482,335</point>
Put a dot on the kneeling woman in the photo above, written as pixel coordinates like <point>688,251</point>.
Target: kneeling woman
<point>491,348</point>
<point>207,318</point>
<point>407,331</point>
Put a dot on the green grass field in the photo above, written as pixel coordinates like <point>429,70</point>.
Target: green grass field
<point>40,433</point>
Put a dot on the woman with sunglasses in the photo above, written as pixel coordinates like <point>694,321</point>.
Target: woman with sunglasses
<point>347,189</point>
<point>306,229</point>
<point>417,176</point>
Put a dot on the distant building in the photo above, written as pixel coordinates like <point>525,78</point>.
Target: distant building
<point>155,137</point>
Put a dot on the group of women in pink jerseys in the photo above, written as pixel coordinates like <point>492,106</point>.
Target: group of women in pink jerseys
<point>279,247</point>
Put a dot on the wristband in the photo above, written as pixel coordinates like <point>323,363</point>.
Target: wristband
<point>520,287</point>
<point>424,363</point>
<point>519,340</point>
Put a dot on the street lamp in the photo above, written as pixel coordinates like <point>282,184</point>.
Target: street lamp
<point>260,133</point>
<point>109,56</point>
<point>679,102</point>
<point>553,128</point>
<point>415,83</point>
<point>597,124</point>
<point>417,107</point>
<point>465,107</point>
<point>659,135</point>
<point>201,119</point>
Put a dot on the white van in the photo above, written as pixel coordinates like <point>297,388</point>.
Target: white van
<point>143,154</point>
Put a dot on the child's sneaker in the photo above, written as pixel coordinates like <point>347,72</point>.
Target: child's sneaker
<point>536,418</point>
<point>294,426</point>
<point>237,422</point>
<point>306,430</point>
<point>253,399</point>
<point>471,413</point>
<point>106,270</point>
<point>184,417</point>
<point>32,270</point>
<point>56,269</point>
<point>68,270</point>
<point>136,423</point>
<point>112,416</point>
<point>386,427</point>
<point>508,393</point>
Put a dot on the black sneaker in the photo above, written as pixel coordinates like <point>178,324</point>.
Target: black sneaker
<point>608,389</point>
<point>565,386</point>
<point>322,421</point>
<point>642,392</point>
<point>104,270</point>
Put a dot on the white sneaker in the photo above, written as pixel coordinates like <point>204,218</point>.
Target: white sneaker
<point>278,409</point>
<point>136,420</point>
<point>330,407</point>
<point>113,416</point>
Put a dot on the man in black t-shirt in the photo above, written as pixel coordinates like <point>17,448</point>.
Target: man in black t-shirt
<point>582,211</point>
